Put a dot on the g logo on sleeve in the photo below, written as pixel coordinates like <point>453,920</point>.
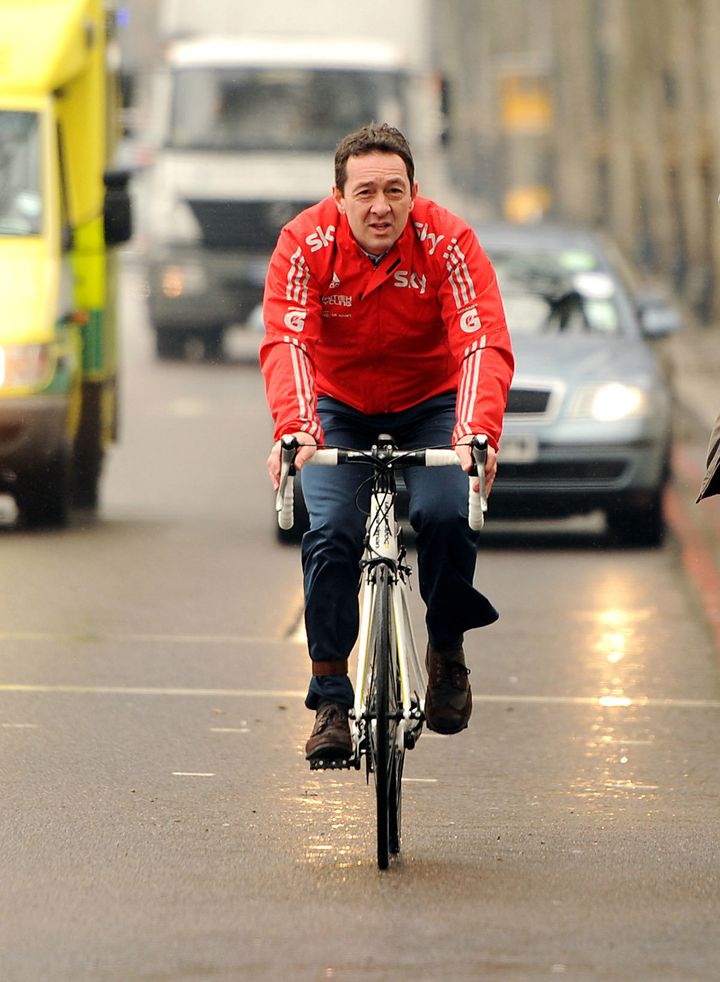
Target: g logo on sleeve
<point>470,321</point>
<point>294,320</point>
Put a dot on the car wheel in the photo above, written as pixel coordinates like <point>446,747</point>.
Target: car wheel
<point>638,526</point>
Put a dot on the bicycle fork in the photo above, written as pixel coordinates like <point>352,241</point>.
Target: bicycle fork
<point>384,545</point>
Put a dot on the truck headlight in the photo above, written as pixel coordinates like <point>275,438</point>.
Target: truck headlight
<point>610,402</point>
<point>24,366</point>
<point>187,279</point>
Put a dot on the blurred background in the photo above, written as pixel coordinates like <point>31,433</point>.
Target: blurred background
<point>599,112</point>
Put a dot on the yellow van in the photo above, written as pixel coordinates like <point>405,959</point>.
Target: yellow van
<point>61,211</point>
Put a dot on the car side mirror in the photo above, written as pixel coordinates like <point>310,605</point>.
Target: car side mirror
<point>67,238</point>
<point>117,212</point>
<point>658,318</point>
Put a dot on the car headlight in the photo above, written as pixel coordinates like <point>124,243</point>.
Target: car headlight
<point>24,366</point>
<point>611,402</point>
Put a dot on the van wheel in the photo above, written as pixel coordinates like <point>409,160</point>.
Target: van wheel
<point>89,453</point>
<point>46,500</point>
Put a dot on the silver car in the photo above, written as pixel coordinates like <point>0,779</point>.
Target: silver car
<point>588,423</point>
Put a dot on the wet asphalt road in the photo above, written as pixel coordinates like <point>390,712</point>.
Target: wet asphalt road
<point>158,820</point>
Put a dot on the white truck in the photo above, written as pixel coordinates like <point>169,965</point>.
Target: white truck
<point>246,128</point>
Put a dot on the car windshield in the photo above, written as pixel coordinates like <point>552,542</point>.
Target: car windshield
<point>553,294</point>
<point>20,199</point>
<point>276,109</point>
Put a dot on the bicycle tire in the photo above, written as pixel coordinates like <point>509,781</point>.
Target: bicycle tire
<point>387,755</point>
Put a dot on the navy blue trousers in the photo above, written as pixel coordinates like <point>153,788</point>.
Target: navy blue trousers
<point>338,501</point>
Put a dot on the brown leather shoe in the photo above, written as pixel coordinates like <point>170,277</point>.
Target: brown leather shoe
<point>330,738</point>
<point>448,700</point>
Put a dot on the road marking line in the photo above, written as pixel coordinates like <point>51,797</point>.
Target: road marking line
<point>420,780</point>
<point>143,638</point>
<point>605,702</point>
<point>128,690</point>
<point>641,702</point>
<point>631,743</point>
<point>229,729</point>
<point>19,726</point>
<point>193,774</point>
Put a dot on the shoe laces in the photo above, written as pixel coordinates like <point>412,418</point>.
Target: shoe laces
<point>444,671</point>
<point>328,715</point>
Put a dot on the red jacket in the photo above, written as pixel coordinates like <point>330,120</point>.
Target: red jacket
<point>427,320</point>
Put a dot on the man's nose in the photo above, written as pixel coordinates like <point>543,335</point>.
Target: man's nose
<point>380,204</point>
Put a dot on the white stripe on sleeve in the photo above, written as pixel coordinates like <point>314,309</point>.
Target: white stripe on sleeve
<point>470,374</point>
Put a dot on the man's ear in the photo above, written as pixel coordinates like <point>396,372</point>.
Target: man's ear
<point>339,200</point>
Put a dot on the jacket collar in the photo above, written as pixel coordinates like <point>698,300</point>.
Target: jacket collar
<point>396,257</point>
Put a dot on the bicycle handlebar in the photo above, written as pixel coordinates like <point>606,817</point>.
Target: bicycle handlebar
<point>384,455</point>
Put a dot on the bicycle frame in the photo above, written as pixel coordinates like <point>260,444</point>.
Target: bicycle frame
<point>384,546</point>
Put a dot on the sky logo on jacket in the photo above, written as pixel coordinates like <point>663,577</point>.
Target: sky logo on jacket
<point>403,278</point>
<point>425,233</point>
<point>321,238</point>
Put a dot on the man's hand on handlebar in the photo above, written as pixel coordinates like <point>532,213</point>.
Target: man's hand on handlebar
<point>462,449</point>
<point>307,449</point>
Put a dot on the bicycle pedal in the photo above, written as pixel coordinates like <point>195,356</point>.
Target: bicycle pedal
<point>334,764</point>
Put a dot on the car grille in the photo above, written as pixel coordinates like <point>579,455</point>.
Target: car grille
<point>570,472</point>
<point>522,401</point>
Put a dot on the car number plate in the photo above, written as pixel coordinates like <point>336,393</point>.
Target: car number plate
<point>519,449</point>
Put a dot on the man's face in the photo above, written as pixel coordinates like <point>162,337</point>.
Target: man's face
<point>377,199</point>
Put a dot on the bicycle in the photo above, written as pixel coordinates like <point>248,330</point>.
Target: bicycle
<point>388,713</point>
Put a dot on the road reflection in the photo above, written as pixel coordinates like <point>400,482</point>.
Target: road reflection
<point>330,817</point>
<point>617,668</point>
<point>333,816</point>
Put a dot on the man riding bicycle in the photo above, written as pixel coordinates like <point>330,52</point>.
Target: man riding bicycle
<point>382,314</point>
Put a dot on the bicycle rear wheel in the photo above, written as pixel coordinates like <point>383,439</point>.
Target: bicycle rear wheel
<point>387,755</point>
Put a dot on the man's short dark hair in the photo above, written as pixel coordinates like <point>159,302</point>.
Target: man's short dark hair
<point>374,138</point>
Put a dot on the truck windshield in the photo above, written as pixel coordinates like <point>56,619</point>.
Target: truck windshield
<point>20,198</point>
<point>277,109</point>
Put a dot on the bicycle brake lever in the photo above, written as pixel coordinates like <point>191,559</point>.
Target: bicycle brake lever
<point>477,502</point>
<point>284,499</point>
<point>479,446</point>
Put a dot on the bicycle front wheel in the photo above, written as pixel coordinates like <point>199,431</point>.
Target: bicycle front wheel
<point>385,707</point>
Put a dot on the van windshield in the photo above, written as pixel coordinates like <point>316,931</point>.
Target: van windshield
<point>20,198</point>
<point>277,108</point>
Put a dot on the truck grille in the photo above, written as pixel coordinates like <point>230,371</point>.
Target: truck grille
<point>253,225</point>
